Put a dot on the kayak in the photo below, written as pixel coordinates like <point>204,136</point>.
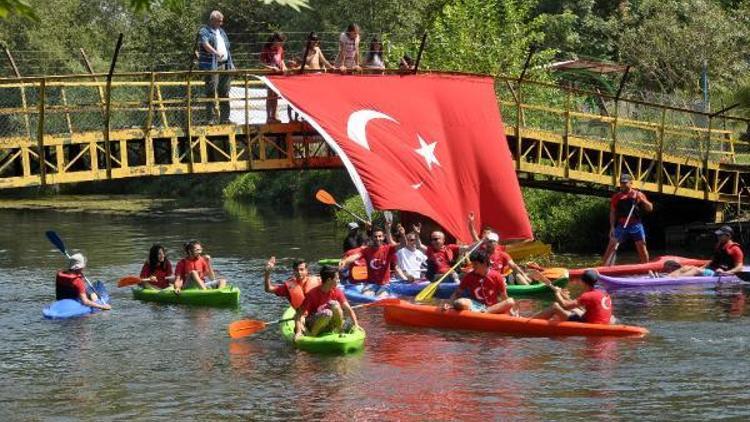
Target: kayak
<point>517,251</point>
<point>353,293</point>
<point>405,313</point>
<point>228,296</point>
<point>71,308</point>
<point>632,269</point>
<point>646,281</point>
<point>399,287</point>
<point>333,343</point>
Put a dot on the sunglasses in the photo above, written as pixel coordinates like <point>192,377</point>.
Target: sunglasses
<point>435,238</point>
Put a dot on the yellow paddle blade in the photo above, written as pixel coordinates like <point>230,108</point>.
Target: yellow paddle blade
<point>428,292</point>
<point>555,273</point>
<point>325,197</point>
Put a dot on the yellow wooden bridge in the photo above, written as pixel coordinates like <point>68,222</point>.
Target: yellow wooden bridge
<point>77,128</point>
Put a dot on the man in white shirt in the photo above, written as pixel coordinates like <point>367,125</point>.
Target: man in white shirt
<point>410,260</point>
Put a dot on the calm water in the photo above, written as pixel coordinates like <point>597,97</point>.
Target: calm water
<point>144,361</point>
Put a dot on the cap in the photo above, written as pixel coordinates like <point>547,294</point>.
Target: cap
<point>590,277</point>
<point>724,230</point>
<point>77,262</point>
<point>352,225</point>
<point>493,237</point>
<point>624,178</point>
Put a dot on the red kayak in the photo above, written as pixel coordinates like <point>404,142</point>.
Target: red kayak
<point>405,313</point>
<point>634,269</point>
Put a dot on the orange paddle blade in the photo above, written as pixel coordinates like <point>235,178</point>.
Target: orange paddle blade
<point>245,327</point>
<point>325,197</point>
<point>359,273</point>
<point>129,280</point>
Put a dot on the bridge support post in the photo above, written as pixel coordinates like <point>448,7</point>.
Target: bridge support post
<point>108,106</point>
<point>40,132</point>
<point>705,176</point>
<point>660,152</point>
<point>24,104</point>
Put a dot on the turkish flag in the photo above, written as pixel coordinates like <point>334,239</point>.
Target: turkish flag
<point>432,143</point>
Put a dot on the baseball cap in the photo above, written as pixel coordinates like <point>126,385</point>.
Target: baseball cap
<point>352,225</point>
<point>493,237</point>
<point>590,277</point>
<point>624,178</point>
<point>724,230</point>
<point>77,262</point>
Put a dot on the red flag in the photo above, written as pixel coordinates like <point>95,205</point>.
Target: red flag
<point>433,144</point>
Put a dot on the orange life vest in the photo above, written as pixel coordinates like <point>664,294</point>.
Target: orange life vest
<point>297,293</point>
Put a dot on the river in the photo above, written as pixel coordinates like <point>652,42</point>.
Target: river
<point>157,362</point>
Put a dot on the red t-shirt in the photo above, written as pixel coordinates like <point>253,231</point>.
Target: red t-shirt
<point>69,285</point>
<point>625,196</point>
<point>485,289</point>
<point>442,258</point>
<point>598,306</point>
<point>317,300</point>
<point>379,261</point>
<point>499,261</point>
<point>187,265</point>
<point>160,273</point>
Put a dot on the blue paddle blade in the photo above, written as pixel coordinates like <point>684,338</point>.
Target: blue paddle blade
<point>55,239</point>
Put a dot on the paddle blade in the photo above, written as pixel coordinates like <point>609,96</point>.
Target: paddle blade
<point>245,327</point>
<point>359,273</point>
<point>428,292</point>
<point>129,280</point>
<point>325,197</point>
<point>388,217</point>
<point>55,240</point>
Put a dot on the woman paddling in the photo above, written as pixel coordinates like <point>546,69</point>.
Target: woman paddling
<point>71,284</point>
<point>157,271</point>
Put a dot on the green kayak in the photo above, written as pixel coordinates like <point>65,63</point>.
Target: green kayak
<point>559,277</point>
<point>328,261</point>
<point>225,297</point>
<point>326,343</point>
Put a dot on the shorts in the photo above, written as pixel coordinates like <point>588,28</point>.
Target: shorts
<point>575,318</point>
<point>633,231</point>
<point>707,272</point>
<point>477,306</point>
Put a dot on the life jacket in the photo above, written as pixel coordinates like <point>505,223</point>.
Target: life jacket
<point>64,287</point>
<point>721,258</point>
<point>297,293</point>
<point>622,209</point>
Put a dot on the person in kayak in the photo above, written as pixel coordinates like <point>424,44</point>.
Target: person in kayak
<point>324,307</point>
<point>625,208</point>
<point>157,272</point>
<point>486,288</point>
<point>500,260</point>
<point>71,284</point>
<point>294,288</point>
<point>379,255</point>
<point>593,306</point>
<point>728,258</point>
<point>355,238</point>
<point>195,270</point>
<point>440,256</point>
<point>409,259</point>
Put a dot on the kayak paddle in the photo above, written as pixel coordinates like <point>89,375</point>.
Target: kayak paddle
<point>60,245</point>
<point>328,199</point>
<point>246,327</point>
<point>428,292</point>
<point>613,257</point>
<point>128,280</point>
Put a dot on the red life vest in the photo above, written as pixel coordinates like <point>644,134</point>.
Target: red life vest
<point>68,286</point>
<point>297,293</point>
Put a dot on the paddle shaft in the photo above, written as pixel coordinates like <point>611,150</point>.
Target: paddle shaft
<point>611,260</point>
<point>55,239</point>
<point>429,291</point>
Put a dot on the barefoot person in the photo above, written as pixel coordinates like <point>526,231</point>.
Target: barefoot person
<point>71,284</point>
<point>593,306</point>
<point>324,307</point>
<point>625,219</point>
<point>195,270</point>
<point>486,288</point>
<point>294,288</point>
<point>157,272</point>
<point>728,258</point>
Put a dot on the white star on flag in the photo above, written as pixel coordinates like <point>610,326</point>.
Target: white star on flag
<point>427,151</point>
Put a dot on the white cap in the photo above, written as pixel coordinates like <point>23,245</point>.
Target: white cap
<point>77,262</point>
<point>493,237</point>
<point>352,225</point>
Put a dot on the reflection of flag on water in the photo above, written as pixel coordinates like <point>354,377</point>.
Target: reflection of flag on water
<point>432,144</point>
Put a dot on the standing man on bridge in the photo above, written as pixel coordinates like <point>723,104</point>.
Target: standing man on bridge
<point>213,54</point>
<point>625,220</point>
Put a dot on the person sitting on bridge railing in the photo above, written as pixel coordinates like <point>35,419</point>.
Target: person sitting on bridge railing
<point>213,54</point>
<point>348,56</point>
<point>272,57</point>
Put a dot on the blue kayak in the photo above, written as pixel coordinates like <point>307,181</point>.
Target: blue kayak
<point>71,308</point>
<point>353,293</point>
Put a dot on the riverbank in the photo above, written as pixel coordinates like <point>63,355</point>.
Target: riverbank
<point>95,204</point>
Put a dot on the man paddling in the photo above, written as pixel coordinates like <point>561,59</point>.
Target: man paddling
<point>195,270</point>
<point>728,258</point>
<point>71,284</point>
<point>294,288</point>
<point>323,308</point>
<point>593,306</point>
<point>486,288</point>
<point>625,219</point>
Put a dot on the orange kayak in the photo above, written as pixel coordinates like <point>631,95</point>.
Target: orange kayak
<point>405,313</point>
